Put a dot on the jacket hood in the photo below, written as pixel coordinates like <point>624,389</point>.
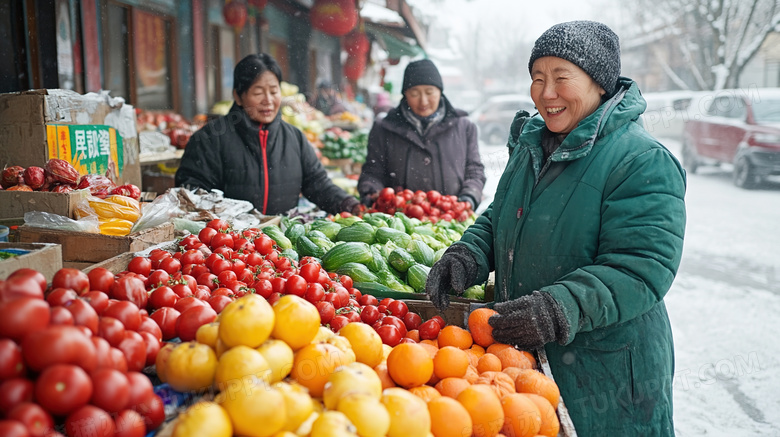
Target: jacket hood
<point>624,107</point>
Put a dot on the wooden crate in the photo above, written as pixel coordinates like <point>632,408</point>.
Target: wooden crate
<point>43,257</point>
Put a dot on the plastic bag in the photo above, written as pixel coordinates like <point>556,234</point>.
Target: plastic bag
<point>40,219</point>
<point>113,206</point>
<point>161,210</point>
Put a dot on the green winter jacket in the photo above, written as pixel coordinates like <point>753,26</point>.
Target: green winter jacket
<point>599,227</point>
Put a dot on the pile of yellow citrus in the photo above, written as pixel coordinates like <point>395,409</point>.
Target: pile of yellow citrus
<point>274,371</point>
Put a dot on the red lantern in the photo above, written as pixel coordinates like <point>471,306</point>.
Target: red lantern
<point>235,14</point>
<point>354,67</point>
<point>356,43</point>
<point>334,17</point>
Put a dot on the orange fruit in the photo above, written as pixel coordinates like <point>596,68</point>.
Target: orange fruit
<point>279,357</point>
<point>521,416</point>
<point>430,348</point>
<point>451,387</point>
<point>248,409</point>
<point>203,418</point>
<point>477,350</point>
<point>501,383</point>
<point>314,363</point>
<point>496,347</point>
<point>489,363</point>
<point>239,363</point>
<point>511,357</point>
<point>480,329</point>
<point>208,334</point>
<point>512,372</point>
<point>425,392</point>
<point>484,407</point>
<point>532,381</point>
<point>450,362</point>
<point>550,422</point>
<point>365,342</point>
<point>410,365</point>
<point>414,335</point>
<point>409,415</point>
<point>452,335</point>
<point>248,320</point>
<point>473,357</point>
<point>297,321</point>
<point>449,418</point>
<point>384,376</point>
<point>434,342</point>
<point>471,375</point>
<point>530,358</point>
<point>191,366</point>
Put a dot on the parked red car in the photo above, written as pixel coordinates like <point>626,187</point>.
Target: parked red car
<point>739,127</point>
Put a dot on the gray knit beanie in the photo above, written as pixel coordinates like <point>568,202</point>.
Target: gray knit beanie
<point>422,72</point>
<point>590,45</point>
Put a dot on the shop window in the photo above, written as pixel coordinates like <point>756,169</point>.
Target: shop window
<point>115,60</point>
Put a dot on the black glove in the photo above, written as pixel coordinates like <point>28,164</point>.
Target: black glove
<point>530,321</point>
<point>469,199</point>
<point>456,270</point>
<point>351,205</point>
<point>369,198</point>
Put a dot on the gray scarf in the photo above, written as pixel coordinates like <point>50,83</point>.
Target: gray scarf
<point>423,124</point>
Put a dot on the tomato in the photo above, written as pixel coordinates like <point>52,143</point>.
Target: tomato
<point>20,286</point>
<point>296,285</point>
<point>100,279</point>
<point>61,316</point>
<point>412,321</point>
<point>153,411</point>
<point>218,224</point>
<point>395,321</point>
<point>254,259</point>
<point>218,303</point>
<point>170,265</point>
<point>221,265</point>
<point>152,344</point>
<point>157,256</point>
<point>166,320</point>
<point>74,279</point>
<point>310,272</point>
<point>150,326</point>
<point>112,330</point>
<point>352,316</point>
<point>15,391</point>
<point>25,272</point>
<point>58,344</point>
<point>338,322</point>
<point>314,293</point>
<point>140,265</point>
<point>226,276</point>
<point>129,423</point>
<point>157,278</point>
<point>326,310</point>
<point>90,420</point>
<point>440,321</point>
<point>140,388</point>
<point>164,296</point>
<point>11,364</point>
<point>389,335</point>
<point>111,390</point>
<point>13,428</point>
<point>59,296</point>
<point>22,316</point>
<point>35,418</point>
<point>387,194</point>
<point>433,196</point>
<point>126,312</point>
<point>103,357</point>
<point>343,295</point>
<point>63,388</point>
<point>429,330</point>
<point>220,240</point>
<point>119,360</point>
<point>333,299</point>
<point>273,298</point>
<point>134,349</point>
<point>206,234</point>
<point>283,264</point>
<point>192,319</point>
<point>83,314</point>
<point>263,287</point>
<point>97,300</point>
<point>398,308</point>
<point>264,244</point>
<point>369,315</point>
<point>207,279</point>
<point>188,302</point>
<point>386,301</point>
<point>368,299</point>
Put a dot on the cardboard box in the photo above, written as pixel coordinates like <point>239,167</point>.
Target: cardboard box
<point>85,130</point>
<point>16,203</point>
<point>43,257</point>
<point>81,247</point>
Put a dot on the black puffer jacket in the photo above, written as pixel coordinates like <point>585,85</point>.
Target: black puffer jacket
<point>446,159</point>
<point>228,154</point>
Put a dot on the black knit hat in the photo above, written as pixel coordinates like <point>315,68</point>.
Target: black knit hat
<point>592,46</point>
<point>421,72</point>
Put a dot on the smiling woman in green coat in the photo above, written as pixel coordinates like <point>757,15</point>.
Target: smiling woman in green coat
<point>585,235</point>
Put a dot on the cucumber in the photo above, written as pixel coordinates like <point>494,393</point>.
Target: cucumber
<point>294,231</point>
<point>400,238</point>
<point>327,227</point>
<point>416,277</point>
<point>374,221</point>
<point>372,288</point>
<point>348,221</point>
<point>421,252</point>
<point>387,278</point>
<point>277,235</point>
<point>400,259</point>
<point>360,231</point>
<point>377,262</point>
<point>306,247</point>
<point>352,252</point>
<point>358,272</point>
<point>289,253</point>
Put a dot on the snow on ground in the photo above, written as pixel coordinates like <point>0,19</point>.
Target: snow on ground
<point>724,304</point>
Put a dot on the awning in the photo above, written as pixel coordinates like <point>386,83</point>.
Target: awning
<point>394,44</point>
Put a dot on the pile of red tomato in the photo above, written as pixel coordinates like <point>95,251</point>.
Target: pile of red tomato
<point>70,362</point>
<point>432,206</point>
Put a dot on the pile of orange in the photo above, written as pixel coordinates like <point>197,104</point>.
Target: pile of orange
<point>473,385</point>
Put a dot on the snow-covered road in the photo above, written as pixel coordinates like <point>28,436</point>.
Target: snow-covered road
<point>724,305</point>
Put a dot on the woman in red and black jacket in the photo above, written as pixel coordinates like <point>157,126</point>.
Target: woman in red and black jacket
<point>251,154</point>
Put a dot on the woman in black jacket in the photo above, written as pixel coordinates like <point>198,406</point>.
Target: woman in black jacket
<point>251,154</point>
<point>424,143</point>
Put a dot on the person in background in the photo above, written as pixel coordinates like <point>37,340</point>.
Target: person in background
<point>251,154</point>
<point>325,97</point>
<point>424,143</point>
<point>585,235</point>
<point>383,105</point>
